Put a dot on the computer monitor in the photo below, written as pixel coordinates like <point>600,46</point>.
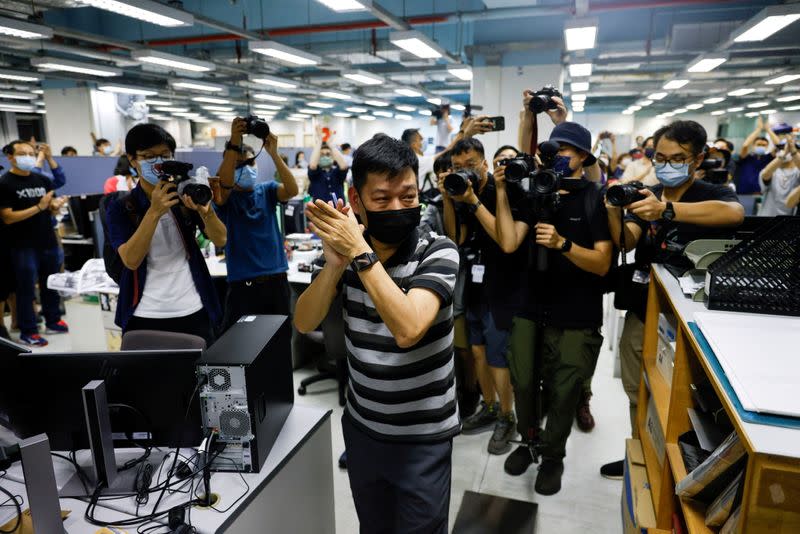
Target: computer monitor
<point>158,386</point>
<point>8,368</point>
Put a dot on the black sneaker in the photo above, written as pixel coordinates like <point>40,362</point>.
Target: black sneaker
<point>614,470</point>
<point>482,420</point>
<point>504,430</point>
<point>548,481</point>
<point>343,460</point>
<point>518,461</point>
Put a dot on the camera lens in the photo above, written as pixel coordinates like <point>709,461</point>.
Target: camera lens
<point>545,182</point>
<point>199,193</point>
<point>623,194</point>
<point>456,183</point>
<point>517,170</point>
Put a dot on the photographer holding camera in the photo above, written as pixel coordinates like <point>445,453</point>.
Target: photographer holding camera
<point>441,119</point>
<point>641,169</point>
<point>660,222</point>
<point>255,255</point>
<point>559,325</point>
<point>165,284</point>
<point>327,169</point>
<point>780,178</point>
<point>492,282</point>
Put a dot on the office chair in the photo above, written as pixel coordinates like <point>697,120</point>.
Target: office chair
<point>157,340</point>
<point>333,366</point>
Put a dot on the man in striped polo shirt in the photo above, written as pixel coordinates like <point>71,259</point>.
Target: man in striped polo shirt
<point>397,284</point>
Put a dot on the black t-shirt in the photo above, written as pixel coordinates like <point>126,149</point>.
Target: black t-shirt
<point>20,193</point>
<point>503,273</point>
<point>566,296</point>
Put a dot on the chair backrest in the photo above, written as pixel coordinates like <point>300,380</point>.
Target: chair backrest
<point>157,340</point>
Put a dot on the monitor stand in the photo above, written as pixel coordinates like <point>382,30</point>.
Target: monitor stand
<point>104,472</point>
<point>40,483</point>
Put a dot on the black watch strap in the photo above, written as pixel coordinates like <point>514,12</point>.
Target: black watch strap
<point>567,246</point>
<point>231,146</point>
<point>364,261</point>
<point>473,208</point>
<point>669,212</point>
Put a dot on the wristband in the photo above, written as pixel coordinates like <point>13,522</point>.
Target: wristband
<point>231,146</point>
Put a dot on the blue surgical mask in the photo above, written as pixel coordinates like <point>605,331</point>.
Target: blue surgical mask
<point>25,163</point>
<point>561,165</point>
<point>107,150</point>
<point>246,177</point>
<point>325,162</point>
<point>671,177</point>
<point>760,150</point>
<point>149,173</point>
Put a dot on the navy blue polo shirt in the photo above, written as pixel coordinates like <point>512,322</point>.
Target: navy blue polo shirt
<point>324,182</point>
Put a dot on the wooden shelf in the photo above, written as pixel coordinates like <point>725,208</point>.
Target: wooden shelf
<point>660,391</point>
<point>693,513</point>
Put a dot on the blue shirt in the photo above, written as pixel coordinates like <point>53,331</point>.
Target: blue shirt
<point>255,244</point>
<point>323,182</point>
<point>747,170</point>
<point>121,228</point>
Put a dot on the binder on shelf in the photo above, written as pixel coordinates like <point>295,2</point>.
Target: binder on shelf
<point>717,470</point>
<point>720,509</point>
<point>732,524</point>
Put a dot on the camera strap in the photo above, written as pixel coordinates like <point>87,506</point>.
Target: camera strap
<point>534,135</point>
<point>623,250</point>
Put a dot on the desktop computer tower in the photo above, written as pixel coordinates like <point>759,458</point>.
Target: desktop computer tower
<point>249,392</point>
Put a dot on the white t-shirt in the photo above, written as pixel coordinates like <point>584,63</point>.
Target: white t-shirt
<point>777,190</point>
<point>169,289</point>
<point>443,132</point>
<point>426,166</point>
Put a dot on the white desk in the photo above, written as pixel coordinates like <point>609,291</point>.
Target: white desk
<point>293,492</point>
<point>219,269</point>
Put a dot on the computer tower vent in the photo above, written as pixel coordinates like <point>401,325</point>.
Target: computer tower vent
<point>219,379</point>
<point>234,423</point>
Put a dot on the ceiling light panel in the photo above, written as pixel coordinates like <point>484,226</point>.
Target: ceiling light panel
<point>20,76</point>
<point>741,92</point>
<point>126,90</point>
<point>462,72</point>
<point>18,96</point>
<point>656,96</point>
<point>337,96</point>
<point>675,84</point>
<point>309,111</point>
<point>363,77</point>
<point>376,103</point>
<point>65,65</point>
<point>283,53</point>
<point>172,61</point>
<point>320,105</point>
<point>579,86</point>
<point>735,109</point>
<point>786,78</point>
<point>145,10</point>
<point>273,81</point>
<point>355,109</point>
<point>580,34</point>
<point>694,106</point>
<point>578,98</point>
<point>417,43</point>
<point>367,118</point>
<point>789,98</point>
<point>210,100</point>
<point>408,92</point>
<point>14,27</point>
<point>767,22</point>
<point>714,100</point>
<point>343,6</point>
<point>270,97</point>
<point>194,85</point>
<point>407,109</point>
<point>270,107</point>
<point>576,70</point>
<point>707,64</point>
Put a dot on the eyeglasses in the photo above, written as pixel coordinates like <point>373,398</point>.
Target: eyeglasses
<point>676,162</point>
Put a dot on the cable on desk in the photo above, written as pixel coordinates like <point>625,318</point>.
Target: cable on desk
<point>78,469</point>
<point>18,506</point>
<point>242,496</point>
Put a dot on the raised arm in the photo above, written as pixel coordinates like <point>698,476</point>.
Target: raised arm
<point>313,163</point>
<point>752,138</point>
<point>509,233</point>
<point>769,170</point>
<point>288,186</point>
<point>227,170</point>
<point>337,155</point>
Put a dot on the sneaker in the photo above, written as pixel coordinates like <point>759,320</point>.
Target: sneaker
<point>614,470</point>
<point>504,430</point>
<point>482,420</point>
<point>57,328</point>
<point>34,340</point>
<point>583,415</point>
<point>548,481</point>
<point>343,460</point>
<point>518,461</point>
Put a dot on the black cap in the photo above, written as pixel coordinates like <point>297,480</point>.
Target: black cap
<point>576,135</point>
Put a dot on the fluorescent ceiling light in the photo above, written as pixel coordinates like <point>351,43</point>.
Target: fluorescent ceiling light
<point>680,110</point>
<point>187,114</point>
<point>792,108</point>
<point>146,10</point>
<point>767,22</point>
<point>341,6</point>
<point>675,84</point>
<point>417,43</point>
<point>694,106</point>
<point>768,111</point>
<point>18,96</point>
<point>337,96</point>
<point>355,109</point>
<point>741,92</point>
<point>193,85</point>
<point>790,98</point>
<point>270,97</point>
<point>656,96</point>
<point>386,114</point>
<point>580,34</point>
<point>786,78</point>
<point>579,86</point>
<point>576,70</point>
<point>714,100</point>
<point>376,103</point>
<point>407,109</point>
<point>22,108</point>
<point>273,81</point>
<point>271,107</point>
<point>578,98</point>
<point>284,53</point>
<point>342,115</point>
<point>669,114</point>
<point>210,100</point>
<point>20,76</point>
<point>434,100</point>
<point>125,90</point>
<point>158,117</point>
<point>718,112</point>
<point>752,114</point>
<point>645,103</point>
<point>402,117</point>
<point>462,72</point>
<point>163,59</point>
<point>37,91</point>
<point>219,108</point>
<point>363,77</point>
<point>57,64</point>
<point>407,92</point>
<point>735,110</point>
<point>320,105</point>
<point>425,112</point>
<point>14,27</point>
<point>295,119</point>
<point>367,117</point>
<point>300,116</point>
<point>171,109</point>
<point>157,102</point>
<point>39,103</point>
<point>635,108</point>
<point>707,64</point>
<point>310,111</point>
<point>761,104</point>
<point>627,112</point>
<point>458,107</point>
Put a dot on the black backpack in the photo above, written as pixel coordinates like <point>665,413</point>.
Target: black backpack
<point>111,258</point>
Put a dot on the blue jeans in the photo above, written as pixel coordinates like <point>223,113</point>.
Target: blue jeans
<point>30,265</point>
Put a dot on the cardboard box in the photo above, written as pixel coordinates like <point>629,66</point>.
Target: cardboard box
<point>665,358</point>
<point>654,431</point>
<point>638,514</point>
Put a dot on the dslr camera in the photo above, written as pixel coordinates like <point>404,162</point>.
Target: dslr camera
<point>543,99</point>
<point>625,194</point>
<point>177,172</point>
<point>544,197</point>
<point>439,112</point>
<point>256,126</point>
<point>519,168</point>
<point>715,173</point>
<point>456,183</point>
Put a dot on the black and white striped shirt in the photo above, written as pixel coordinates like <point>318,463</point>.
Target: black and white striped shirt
<point>397,394</point>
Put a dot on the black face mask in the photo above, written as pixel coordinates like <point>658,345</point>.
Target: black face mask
<point>392,227</point>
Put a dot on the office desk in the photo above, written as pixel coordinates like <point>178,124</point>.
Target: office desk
<point>219,269</point>
<point>293,492</point>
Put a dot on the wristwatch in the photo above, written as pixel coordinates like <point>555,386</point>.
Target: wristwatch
<point>364,261</point>
<point>473,208</point>
<point>231,146</point>
<point>669,212</point>
<point>566,247</point>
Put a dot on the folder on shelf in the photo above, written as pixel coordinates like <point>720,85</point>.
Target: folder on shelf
<point>715,473</point>
<point>720,509</point>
